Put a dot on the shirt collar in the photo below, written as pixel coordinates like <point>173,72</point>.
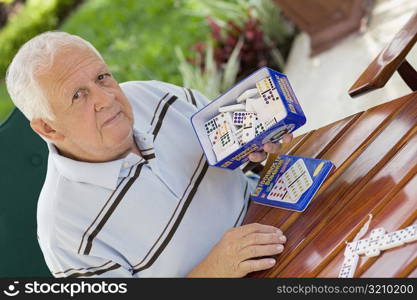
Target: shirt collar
<point>104,174</point>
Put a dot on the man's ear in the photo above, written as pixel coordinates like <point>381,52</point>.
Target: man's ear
<point>46,130</point>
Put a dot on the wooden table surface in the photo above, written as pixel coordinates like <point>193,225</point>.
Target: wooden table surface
<point>375,154</point>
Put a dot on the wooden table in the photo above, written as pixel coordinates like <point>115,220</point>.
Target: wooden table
<point>375,154</point>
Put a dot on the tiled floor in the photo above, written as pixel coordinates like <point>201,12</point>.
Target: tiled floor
<point>321,83</point>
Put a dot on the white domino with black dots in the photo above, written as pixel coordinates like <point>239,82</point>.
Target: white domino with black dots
<point>298,180</point>
<point>232,108</point>
<point>239,117</point>
<point>349,266</point>
<point>378,241</point>
<point>269,96</point>
<point>259,128</point>
<point>247,94</point>
<point>267,90</point>
<point>254,112</point>
<point>292,184</point>
<point>265,85</point>
<point>211,125</point>
<point>279,192</point>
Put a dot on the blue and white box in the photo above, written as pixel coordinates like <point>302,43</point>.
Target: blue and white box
<point>291,182</point>
<point>291,119</point>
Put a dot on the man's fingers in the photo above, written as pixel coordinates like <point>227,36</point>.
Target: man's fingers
<point>263,239</point>
<point>257,156</point>
<point>254,265</point>
<point>256,227</point>
<point>275,147</point>
<point>287,138</point>
<point>260,250</point>
<point>272,147</point>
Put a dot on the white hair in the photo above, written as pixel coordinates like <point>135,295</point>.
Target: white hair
<point>37,53</point>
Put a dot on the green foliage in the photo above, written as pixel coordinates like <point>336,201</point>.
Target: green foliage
<point>36,16</point>
<point>272,22</point>
<point>212,80</point>
<point>221,10</point>
<point>6,105</point>
<point>137,38</point>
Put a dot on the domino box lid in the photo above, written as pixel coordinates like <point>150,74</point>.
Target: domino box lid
<point>288,173</point>
<point>294,119</point>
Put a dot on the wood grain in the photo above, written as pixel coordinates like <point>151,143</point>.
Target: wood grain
<point>413,274</point>
<point>388,61</point>
<point>393,216</point>
<point>371,199</point>
<point>321,140</point>
<point>376,156</point>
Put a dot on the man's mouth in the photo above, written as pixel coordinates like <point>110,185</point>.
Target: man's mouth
<point>112,119</point>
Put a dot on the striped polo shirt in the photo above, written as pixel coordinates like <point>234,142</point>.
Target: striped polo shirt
<point>155,215</point>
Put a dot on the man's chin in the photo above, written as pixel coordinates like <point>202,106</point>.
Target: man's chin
<point>123,140</point>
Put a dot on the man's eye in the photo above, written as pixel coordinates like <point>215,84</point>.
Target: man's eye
<point>102,76</point>
<point>77,95</point>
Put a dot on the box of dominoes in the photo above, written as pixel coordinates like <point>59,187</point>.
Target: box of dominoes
<point>291,182</point>
<point>260,108</point>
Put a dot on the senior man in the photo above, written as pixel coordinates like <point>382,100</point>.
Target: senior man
<point>128,191</point>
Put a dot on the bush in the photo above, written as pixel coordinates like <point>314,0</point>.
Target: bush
<point>245,35</point>
<point>137,38</point>
<point>35,17</point>
<point>6,105</point>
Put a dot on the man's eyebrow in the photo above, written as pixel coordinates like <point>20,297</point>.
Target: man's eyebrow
<point>103,69</point>
<point>71,91</point>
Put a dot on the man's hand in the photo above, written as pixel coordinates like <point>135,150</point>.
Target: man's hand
<point>238,252</point>
<point>269,148</point>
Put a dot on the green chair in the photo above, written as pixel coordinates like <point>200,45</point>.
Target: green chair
<point>23,161</point>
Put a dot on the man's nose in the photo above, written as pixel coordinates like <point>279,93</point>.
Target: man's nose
<point>104,98</point>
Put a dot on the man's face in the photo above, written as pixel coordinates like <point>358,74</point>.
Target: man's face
<point>93,118</point>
